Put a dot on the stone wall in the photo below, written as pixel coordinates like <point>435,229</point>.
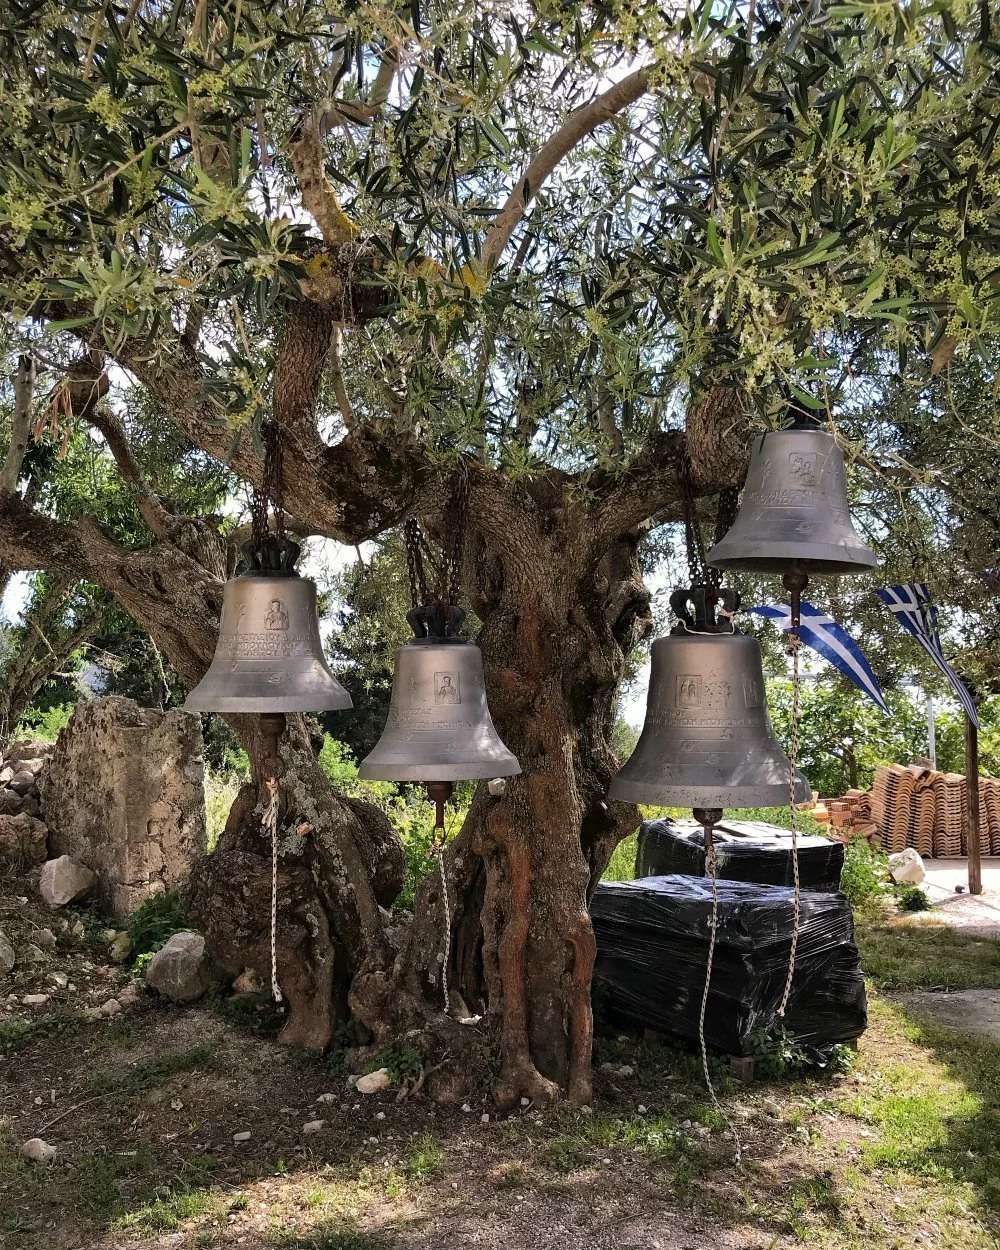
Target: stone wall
<point>124,794</point>
<point>22,837</point>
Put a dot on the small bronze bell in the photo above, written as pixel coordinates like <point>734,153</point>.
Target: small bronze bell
<point>707,740</point>
<point>269,657</point>
<point>439,727</point>
<point>794,511</point>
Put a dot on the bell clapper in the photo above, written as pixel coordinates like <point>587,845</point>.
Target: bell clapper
<point>439,792</point>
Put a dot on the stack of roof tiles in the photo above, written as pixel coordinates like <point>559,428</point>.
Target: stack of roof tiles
<point>912,805</point>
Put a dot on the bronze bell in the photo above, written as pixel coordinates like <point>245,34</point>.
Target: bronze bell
<point>707,740</point>
<point>439,727</point>
<point>269,657</point>
<point>794,511</point>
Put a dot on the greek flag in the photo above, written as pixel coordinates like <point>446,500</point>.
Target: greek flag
<point>832,641</point>
<point>915,611</point>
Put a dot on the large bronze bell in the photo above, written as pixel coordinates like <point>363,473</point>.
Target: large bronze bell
<point>439,727</point>
<point>269,657</point>
<point>707,740</point>
<point>794,511</point>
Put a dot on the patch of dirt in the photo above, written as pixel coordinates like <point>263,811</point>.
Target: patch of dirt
<point>143,1109</point>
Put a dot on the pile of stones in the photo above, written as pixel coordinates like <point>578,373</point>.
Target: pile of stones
<point>22,835</point>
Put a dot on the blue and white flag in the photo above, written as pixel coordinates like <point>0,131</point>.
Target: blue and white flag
<point>914,609</point>
<point>831,641</point>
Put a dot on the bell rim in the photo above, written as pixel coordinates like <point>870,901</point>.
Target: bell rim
<point>257,704</point>
<point>784,556</point>
<point>622,790</point>
<point>419,773</point>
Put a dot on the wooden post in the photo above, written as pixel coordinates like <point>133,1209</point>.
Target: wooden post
<point>972,806</point>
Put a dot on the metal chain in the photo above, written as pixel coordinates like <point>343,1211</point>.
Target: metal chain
<point>448,569</point>
<point>270,495</point>
<point>415,564</point>
<point>795,643</point>
<point>712,864</point>
<point>271,826</point>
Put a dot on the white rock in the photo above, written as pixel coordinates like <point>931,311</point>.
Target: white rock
<point>34,1000</point>
<point>33,954</point>
<point>7,957</point>
<point>78,931</point>
<point>327,1098</point>
<point>374,1082</point>
<point>38,1151</point>
<point>63,880</point>
<point>46,939</point>
<point>484,1118</point>
<point>641,1109</point>
<point>59,979</point>
<point>906,867</point>
<point>525,1102</point>
<point>466,1107</point>
<point>111,1008</point>
<point>176,1104</point>
<point>313,1126</point>
<point>380,1115</point>
<point>497,786</point>
<point>178,969</point>
<point>21,782</point>
<point>244,1136</point>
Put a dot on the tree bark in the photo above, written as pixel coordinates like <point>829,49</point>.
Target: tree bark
<point>562,604</point>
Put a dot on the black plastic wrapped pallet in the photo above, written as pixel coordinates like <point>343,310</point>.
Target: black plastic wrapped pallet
<point>652,949</point>
<point>746,851</point>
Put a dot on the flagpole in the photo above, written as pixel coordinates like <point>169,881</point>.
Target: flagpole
<point>972,805</point>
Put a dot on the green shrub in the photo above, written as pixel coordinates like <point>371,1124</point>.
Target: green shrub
<point>221,789</point>
<point>45,725</point>
<point>865,877</point>
<point>911,898</point>
<point>157,919</point>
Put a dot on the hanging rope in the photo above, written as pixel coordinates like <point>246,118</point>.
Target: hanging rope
<point>270,823</point>
<point>446,949</point>
<point>795,644</point>
<point>712,864</point>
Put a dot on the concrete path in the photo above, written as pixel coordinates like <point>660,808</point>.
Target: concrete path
<point>963,909</point>
<point>968,1011</point>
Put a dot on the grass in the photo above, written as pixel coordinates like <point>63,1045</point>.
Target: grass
<point>149,1073</point>
<point>937,1119</point>
<point>909,957</point>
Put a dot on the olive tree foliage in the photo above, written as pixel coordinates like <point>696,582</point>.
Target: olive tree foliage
<point>576,248</point>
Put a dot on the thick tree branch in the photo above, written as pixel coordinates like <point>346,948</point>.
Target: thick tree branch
<point>24,391</point>
<point>150,508</point>
<point>715,444</point>
<point>580,123</point>
<point>305,148</point>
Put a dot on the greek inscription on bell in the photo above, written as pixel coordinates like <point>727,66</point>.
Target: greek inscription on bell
<point>688,690</point>
<point>277,615</point>
<point>447,688</point>
<point>752,692</point>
